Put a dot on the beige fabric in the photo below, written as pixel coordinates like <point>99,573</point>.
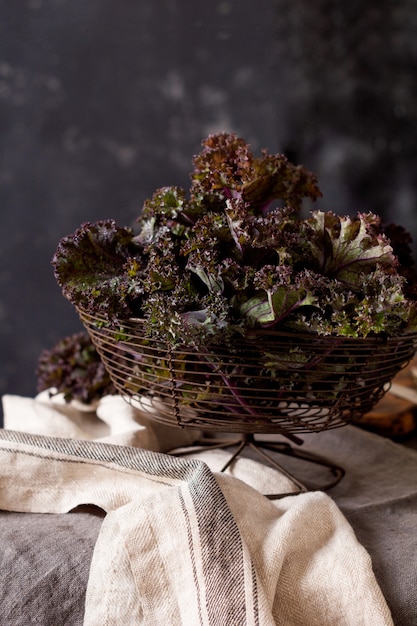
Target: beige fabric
<point>112,420</point>
<point>115,421</point>
<point>184,545</point>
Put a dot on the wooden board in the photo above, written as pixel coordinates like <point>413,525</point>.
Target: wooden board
<point>395,415</point>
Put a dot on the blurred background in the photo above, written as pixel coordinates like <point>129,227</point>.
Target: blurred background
<point>101,102</point>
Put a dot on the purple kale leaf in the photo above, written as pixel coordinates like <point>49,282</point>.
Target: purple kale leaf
<point>224,259</point>
<point>227,168</point>
<point>98,268</point>
<point>73,367</point>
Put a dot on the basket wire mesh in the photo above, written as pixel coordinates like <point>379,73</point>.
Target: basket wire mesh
<point>267,382</point>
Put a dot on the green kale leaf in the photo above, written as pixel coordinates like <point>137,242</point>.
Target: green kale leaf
<point>346,248</point>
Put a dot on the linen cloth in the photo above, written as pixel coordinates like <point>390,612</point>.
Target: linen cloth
<point>378,496</point>
<point>182,544</point>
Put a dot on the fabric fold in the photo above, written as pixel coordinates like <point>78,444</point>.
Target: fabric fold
<point>183,545</point>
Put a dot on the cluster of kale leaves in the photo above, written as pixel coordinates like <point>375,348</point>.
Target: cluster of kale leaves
<point>73,368</point>
<point>234,254</point>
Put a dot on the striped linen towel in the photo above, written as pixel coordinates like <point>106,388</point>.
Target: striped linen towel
<point>184,545</point>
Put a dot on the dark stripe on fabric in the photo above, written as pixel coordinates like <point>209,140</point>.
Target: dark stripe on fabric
<point>255,597</point>
<point>222,553</point>
<point>146,461</point>
<point>192,554</point>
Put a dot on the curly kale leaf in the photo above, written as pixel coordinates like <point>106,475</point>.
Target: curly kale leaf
<point>167,202</point>
<point>73,367</point>
<point>274,177</point>
<point>224,260</point>
<point>209,243</point>
<point>224,163</point>
<point>98,268</point>
<point>345,248</point>
<point>401,242</point>
<point>241,224</point>
<point>167,209</point>
<point>383,307</point>
<point>227,168</point>
<point>281,294</point>
<point>179,319</point>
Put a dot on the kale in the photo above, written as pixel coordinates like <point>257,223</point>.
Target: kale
<point>98,267</point>
<point>226,258</point>
<point>226,164</point>
<point>73,367</point>
<point>347,248</point>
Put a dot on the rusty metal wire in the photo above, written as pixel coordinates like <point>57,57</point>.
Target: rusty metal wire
<point>270,382</point>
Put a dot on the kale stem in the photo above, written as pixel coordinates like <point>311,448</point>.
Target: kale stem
<point>216,368</point>
<point>241,400</point>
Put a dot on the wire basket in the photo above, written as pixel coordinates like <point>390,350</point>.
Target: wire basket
<point>267,382</point>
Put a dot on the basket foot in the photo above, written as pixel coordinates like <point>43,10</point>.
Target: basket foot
<point>261,449</point>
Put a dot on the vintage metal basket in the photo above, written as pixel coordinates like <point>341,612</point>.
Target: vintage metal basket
<point>270,382</point>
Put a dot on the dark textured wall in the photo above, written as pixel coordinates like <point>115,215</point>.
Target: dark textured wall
<point>103,101</point>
